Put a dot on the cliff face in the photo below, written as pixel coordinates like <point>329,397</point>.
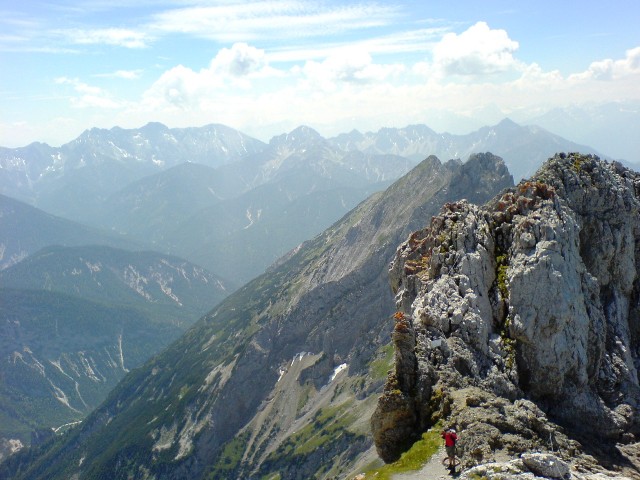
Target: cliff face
<point>518,321</point>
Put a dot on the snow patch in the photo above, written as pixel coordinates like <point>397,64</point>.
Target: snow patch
<point>36,365</point>
<point>15,356</point>
<point>157,161</point>
<point>89,368</point>
<point>299,357</point>
<point>166,289</point>
<point>337,370</point>
<point>80,396</point>
<point>136,281</point>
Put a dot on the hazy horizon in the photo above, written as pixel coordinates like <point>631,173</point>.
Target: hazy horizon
<point>265,67</point>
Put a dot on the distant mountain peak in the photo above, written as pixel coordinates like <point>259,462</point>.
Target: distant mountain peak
<point>304,130</point>
<point>154,127</point>
<point>507,122</point>
<point>300,137</point>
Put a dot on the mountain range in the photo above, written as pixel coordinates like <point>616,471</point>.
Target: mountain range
<point>279,377</point>
<point>286,350</point>
<point>25,229</point>
<point>609,127</point>
<point>213,187</point>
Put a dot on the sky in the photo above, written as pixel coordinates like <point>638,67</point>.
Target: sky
<point>266,67</point>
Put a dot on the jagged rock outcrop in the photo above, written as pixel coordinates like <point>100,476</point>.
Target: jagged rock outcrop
<point>518,321</point>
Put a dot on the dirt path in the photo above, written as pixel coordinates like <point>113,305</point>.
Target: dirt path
<point>433,470</point>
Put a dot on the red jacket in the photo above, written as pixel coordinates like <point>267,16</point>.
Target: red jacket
<point>449,438</point>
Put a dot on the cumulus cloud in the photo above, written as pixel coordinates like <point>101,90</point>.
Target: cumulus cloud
<point>609,69</point>
<point>477,51</point>
<point>88,95</point>
<point>239,60</point>
<point>347,65</point>
<point>179,87</point>
<point>185,88</point>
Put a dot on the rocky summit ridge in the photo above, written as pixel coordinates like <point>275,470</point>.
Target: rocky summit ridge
<point>518,323</point>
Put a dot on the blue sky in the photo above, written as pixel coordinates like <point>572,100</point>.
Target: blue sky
<point>265,67</point>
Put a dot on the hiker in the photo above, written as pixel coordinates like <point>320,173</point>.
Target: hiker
<point>450,439</point>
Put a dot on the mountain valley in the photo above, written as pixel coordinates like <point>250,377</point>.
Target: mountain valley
<point>323,299</point>
<point>76,319</point>
<point>281,251</point>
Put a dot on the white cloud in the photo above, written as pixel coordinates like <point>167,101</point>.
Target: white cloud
<point>476,51</point>
<point>239,60</point>
<point>234,21</point>
<point>89,96</point>
<point>124,74</point>
<point>397,43</point>
<point>120,37</point>
<point>349,66</point>
<point>609,69</point>
<point>350,88</point>
<point>232,67</point>
<point>179,87</point>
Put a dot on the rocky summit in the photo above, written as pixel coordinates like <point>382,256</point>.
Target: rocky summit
<point>518,323</point>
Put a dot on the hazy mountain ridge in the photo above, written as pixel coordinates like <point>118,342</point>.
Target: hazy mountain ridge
<point>224,376</point>
<point>609,127</point>
<point>100,162</point>
<point>238,219</point>
<point>105,161</point>
<point>523,148</point>
<point>162,208</point>
<point>25,230</point>
<point>176,291</point>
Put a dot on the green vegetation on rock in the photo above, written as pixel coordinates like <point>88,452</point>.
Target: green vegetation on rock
<point>413,459</point>
<point>383,363</point>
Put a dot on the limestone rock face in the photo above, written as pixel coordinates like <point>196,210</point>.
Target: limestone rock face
<point>532,298</point>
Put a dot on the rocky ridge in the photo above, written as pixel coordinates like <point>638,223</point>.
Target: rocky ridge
<point>518,320</point>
